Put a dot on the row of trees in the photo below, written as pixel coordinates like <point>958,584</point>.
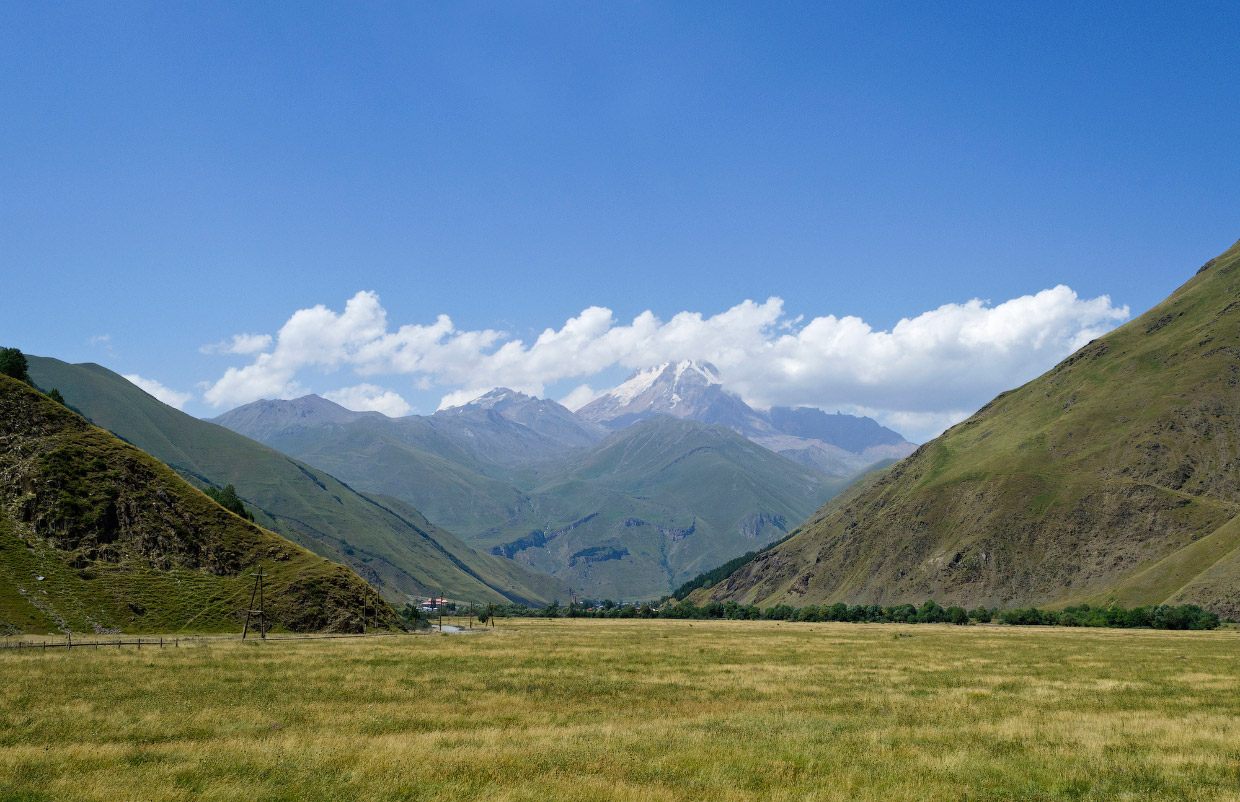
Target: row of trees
<point>1163,616</point>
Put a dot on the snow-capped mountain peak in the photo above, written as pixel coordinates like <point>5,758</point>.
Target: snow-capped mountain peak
<point>694,390</point>
<point>684,389</point>
<point>668,375</point>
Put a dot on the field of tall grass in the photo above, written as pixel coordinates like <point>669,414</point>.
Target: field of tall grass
<point>634,710</point>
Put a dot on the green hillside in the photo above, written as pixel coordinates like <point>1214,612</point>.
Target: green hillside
<point>1112,477</point>
<point>97,536</point>
<point>407,460</point>
<point>398,554</point>
<point>657,503</point>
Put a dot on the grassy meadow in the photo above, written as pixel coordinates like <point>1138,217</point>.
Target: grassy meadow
<point>634,710</point>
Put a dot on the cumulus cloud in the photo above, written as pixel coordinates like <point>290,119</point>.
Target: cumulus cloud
<point>933,366</point>
<point>370,398</point>
<point>166,394</point>
<point>239,344</point>
<point>581,395</point>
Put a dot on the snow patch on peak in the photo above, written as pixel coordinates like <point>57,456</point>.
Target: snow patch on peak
<point>704,369</point>
<point>638,383</point>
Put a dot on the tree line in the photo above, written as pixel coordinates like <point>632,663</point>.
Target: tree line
<point>1161,616</point>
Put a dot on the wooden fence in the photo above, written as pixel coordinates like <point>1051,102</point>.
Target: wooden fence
<point>69,643</point>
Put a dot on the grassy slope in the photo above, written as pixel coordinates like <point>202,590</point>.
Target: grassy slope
<point>1111,477</point>
<point>643,711</point>
<point>311,508</point>
<point>406,462</point>
<point>123,543</point>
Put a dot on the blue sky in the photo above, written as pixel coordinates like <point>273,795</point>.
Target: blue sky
<point>177,174</point>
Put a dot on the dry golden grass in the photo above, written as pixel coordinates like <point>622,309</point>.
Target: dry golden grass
<point>635,710</point>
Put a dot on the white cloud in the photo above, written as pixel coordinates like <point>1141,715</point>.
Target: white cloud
<point>315,337</point>
<point>239,344</point>
<point>169,396</point>
<point>581,395</point>
<point>926,368</point>
<point>370,398</point>
<point>103,341</point>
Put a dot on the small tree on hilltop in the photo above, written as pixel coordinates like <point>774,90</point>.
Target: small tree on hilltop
<point>13,364</point>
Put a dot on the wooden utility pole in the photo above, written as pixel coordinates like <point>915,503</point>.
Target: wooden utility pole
<point>262,616</point>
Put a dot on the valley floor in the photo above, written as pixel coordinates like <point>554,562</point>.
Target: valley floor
<point>635,710</point>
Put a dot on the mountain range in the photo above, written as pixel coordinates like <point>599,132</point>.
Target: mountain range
<point>1113,477</point>
<point>616,505</point>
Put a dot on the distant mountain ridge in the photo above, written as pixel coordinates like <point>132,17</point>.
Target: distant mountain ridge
<point>546,418</point>
<point>838,445</point>
<point>526,478</point>
<point>1113,477</point>
<point>263,418</point>
<point>501,426</point>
